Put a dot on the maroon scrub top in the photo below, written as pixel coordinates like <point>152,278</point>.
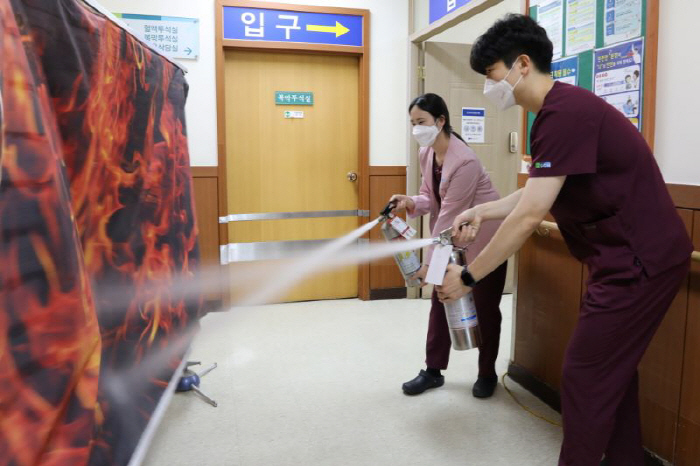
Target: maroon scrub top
<point>614,210</point>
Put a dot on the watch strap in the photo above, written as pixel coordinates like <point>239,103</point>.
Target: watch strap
<point>467,278</point>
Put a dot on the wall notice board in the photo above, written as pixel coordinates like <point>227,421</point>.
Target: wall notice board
<point>608,47</point>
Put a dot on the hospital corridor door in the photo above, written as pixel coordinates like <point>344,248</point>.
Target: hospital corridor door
<point>292,162</point>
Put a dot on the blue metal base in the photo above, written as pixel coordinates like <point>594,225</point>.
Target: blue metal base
<point>190,381</point>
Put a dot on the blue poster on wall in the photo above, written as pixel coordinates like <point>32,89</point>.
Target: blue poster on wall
<point>618,78</point>
<point>566,70</point>
<point>265,25</point>
<point>440,8</point>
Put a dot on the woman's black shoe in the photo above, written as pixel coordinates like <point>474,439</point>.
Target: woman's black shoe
<point>422,382</point>
<point>484,386</point>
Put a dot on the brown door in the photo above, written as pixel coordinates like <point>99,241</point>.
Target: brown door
<point>287,178</point>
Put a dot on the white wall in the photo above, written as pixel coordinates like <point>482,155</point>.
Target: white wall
<point>388,81</point>
<point>678,93</point>
<point>421,14</point>
<point>678,97</point>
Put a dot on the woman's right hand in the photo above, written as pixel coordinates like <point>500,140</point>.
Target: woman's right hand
<point>421,274</point>
<point>402,202</point>
<point>466,226</point>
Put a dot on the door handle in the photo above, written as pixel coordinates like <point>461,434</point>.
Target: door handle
<point>513,142</point>
<point>352,176</point>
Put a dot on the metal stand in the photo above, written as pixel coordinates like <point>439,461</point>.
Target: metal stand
<point>190,381</point>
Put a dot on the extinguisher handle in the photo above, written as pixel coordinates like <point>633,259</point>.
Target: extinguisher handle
<point>389,207</point>
<point>445,236</point>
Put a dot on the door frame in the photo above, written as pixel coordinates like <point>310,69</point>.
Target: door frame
<point>416,70</point>
<point>362,53</point>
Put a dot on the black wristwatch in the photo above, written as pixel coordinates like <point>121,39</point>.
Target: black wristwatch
<point>467,278</point>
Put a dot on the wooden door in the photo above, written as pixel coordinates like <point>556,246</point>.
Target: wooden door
<point>281,165</point>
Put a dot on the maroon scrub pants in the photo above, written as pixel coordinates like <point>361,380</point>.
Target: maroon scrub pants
<point>599,389</point>
<point>487,297</point>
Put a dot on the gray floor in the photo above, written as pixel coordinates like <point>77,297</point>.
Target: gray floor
<point>318,383</point>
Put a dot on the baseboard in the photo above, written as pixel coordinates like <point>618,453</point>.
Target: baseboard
<point>551,397</point>
<point>651,459</point>
<point>387,293</point>
<point>535,386</point>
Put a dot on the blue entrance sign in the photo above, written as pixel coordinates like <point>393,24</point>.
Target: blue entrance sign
<point>440,8</point>
<point>261,24</point>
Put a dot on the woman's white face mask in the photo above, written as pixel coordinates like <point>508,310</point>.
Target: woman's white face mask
<point>501,92</point>
<point>426,135</point>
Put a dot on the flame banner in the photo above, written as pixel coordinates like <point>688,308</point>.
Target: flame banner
<point>97,223</point>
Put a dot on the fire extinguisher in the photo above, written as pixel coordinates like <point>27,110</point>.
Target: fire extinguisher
<point>395,229</point>
<point>461,314</point>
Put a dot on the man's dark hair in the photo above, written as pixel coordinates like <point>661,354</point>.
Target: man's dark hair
<point>510,37</point>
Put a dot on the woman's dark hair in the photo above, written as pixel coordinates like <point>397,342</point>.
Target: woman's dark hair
<point>436,106</point>
<point>507,39</point>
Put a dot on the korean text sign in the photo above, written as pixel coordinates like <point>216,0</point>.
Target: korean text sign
<point>261,24</point>
<point>174,37</point>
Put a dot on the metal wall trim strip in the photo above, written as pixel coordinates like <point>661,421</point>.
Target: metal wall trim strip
<point>291,215</point>
<point>271,250</point>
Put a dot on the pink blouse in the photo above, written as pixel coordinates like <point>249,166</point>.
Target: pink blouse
<point>464,184</point>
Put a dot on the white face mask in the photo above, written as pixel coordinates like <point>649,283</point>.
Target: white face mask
<point>501,92</point>
<point>425,135</point>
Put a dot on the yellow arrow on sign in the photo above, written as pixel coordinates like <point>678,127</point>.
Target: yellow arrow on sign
<point>338,29</point>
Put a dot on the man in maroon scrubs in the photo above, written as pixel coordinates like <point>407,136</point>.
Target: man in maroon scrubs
<point>593,170</point>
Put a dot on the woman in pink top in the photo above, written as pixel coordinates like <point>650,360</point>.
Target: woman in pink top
<point>453,180</point>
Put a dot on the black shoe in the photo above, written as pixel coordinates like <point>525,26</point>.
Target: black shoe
<point>422,382</point>
<point>484,387</point>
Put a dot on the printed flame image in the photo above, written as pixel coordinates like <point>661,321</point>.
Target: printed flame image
<point>49,336</point>
<point>97,218</point>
